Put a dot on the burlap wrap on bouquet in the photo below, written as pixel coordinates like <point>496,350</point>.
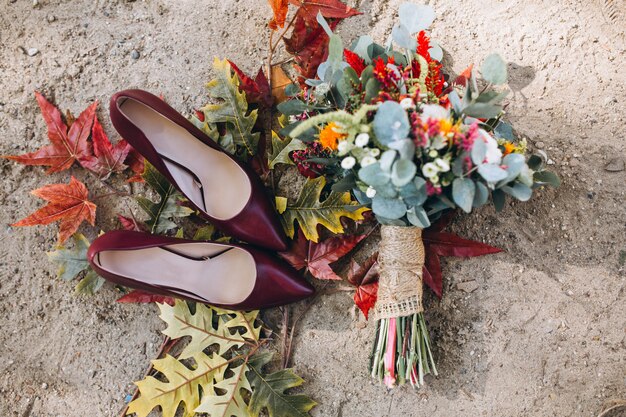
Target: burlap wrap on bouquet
<point>400,264</point>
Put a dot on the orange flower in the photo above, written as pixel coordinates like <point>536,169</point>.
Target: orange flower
<point>509,148</point>
<point>330,136</point>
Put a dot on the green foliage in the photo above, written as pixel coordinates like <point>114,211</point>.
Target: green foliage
<point>281,150</point>
<point>216,372</point>
<point>72,261</point>
<point>310,212</point>
<point>168,205</point>
<point>391,123</point>
<point>269,391</point>
<point>90,284</point>
<point>233,108</point>
<point>494,70</point>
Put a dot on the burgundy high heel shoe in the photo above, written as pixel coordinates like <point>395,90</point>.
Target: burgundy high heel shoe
<point>231,276</point>
<point>226,192</point>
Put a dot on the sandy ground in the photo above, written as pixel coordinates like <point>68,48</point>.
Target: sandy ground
<point>542,335</point>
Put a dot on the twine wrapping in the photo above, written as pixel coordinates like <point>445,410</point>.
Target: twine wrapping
<point>400,260</point>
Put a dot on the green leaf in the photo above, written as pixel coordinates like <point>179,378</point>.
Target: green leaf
<point>514,163</point>
<point>478,152</point>
<point>204,232</point>
<point>405,147</point>
<point>161,212</point>
<point>535,162</point>
<point>73,261</point>
<point>416,17</point>
<point>90,284</point>
<point>391,123</point>
<point>373,175</point>
<point>463,192</point>
<point>183,385</point>
<point>372,88</point>
<point>418,217</point>
<point>269,391</point>
<point>402,36</point>
<point>492,172</point>
<point>233,110</point>
<point>200,327</point>
<point>281,150</point>
<point>520,191</point>
<point>547,177</point>
<point>494,70</point>
<point>310,212</point>
<point>499,199</point>
<point>483,110</point>
<point>402,172</point>
<point>391,208</point>
<point>231,403</point>
<point>481,196</point>
<point>417,197</point>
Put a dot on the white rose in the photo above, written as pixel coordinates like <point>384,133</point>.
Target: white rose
<point>348,162</point>
<point>370,192</point>
<point>430,170</point>
<point>362,139</point>
<point>368,160</point>
<point>494,154</point>
<point>407,103</point>
<point>442,165</point>
<point>434,111</point>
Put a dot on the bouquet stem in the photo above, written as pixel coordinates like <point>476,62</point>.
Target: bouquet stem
<point>402,351</point>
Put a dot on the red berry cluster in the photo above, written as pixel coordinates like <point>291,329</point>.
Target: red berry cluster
<point>302,159</point>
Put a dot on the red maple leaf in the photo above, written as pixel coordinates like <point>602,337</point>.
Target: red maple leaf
<point>67,203</point>
<point>308,44</point>
<point>279,7</point>
<point>355,61</point>
<point>107,158</point>
<point>138,296</point>
<point>317,257</point>
<point>129,223</point>
<point>438,243</point>
<point>136,163</point>
<point>257,90</point>
<point>328,8</point>
<point>67,144</point>
<point>365,279</point>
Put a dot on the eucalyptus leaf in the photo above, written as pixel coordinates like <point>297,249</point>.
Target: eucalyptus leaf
<point>373,175</point>
<point>483,110</point>
<point>405,147</point>
<point>494,69</point>
<point>514,163</point>
<point>390,208</point>
<point>499,199</point>
<point>504,130</point>
<point>372,88</point>
<point>492,97</point>
<point>463,191</point>
<point>292,90</point>
<point>519,191</point>
<point>535,162</point>
<point>347,183</point>
<point>481,196</point>
<point>391,123</point>
<point>416,17</point>
<point>418,217</point>
<point>479,151</point>
<point>386,160</point>
<point>403,38</point>
<point>492,172</point>
<point>390,222</point>
<point>547,177</point>
<point>402,172</point>
<point>435,51</point>
<point>360,45</point>
<point>324,24</point>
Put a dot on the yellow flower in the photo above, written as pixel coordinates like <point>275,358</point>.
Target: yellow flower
<point>330,136</point>
<point>509,148</point>
<point>447,127</point>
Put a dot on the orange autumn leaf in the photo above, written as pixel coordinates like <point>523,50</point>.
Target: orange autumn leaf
<point>279,7</point>
<point>280,81</point>
<point>107,158</point>
<point>67,203</point>
<point>67,144</point>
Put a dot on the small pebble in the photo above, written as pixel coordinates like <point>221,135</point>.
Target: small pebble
<point>44,386</point>
<point>468,286</point>
<point>32,51</point>
<point>539,145</point>
<point>134,54</point>
<point>51,18</point>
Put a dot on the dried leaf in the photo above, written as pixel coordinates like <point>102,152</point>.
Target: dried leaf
<point>73,261</point>
<point>107,159</point>
<point>280,8</point>
<point>233,110</point>
<point>257,90</point>
<point>280,81</point>
<point>137,296</point>
<point>281,150</point>
<point>161,212</point>
<point>328,8</point>
<point>269,391</point>
<point>90,284</point>
<point>231,403</point>
<point>365,279</point>
<point>136,163</point>
<point>183,385</point>
<point>317,257</point>
<point>67,203</point>
<point>310,212</point>
<point>66,145</point>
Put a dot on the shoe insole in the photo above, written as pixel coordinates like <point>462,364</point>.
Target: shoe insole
<point>225,185</point>
<point>226,278</point>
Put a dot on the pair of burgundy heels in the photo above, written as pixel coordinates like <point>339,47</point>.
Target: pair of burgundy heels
<point>226,192</point>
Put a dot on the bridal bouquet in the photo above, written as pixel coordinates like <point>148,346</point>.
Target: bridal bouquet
<point>385,123</point>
